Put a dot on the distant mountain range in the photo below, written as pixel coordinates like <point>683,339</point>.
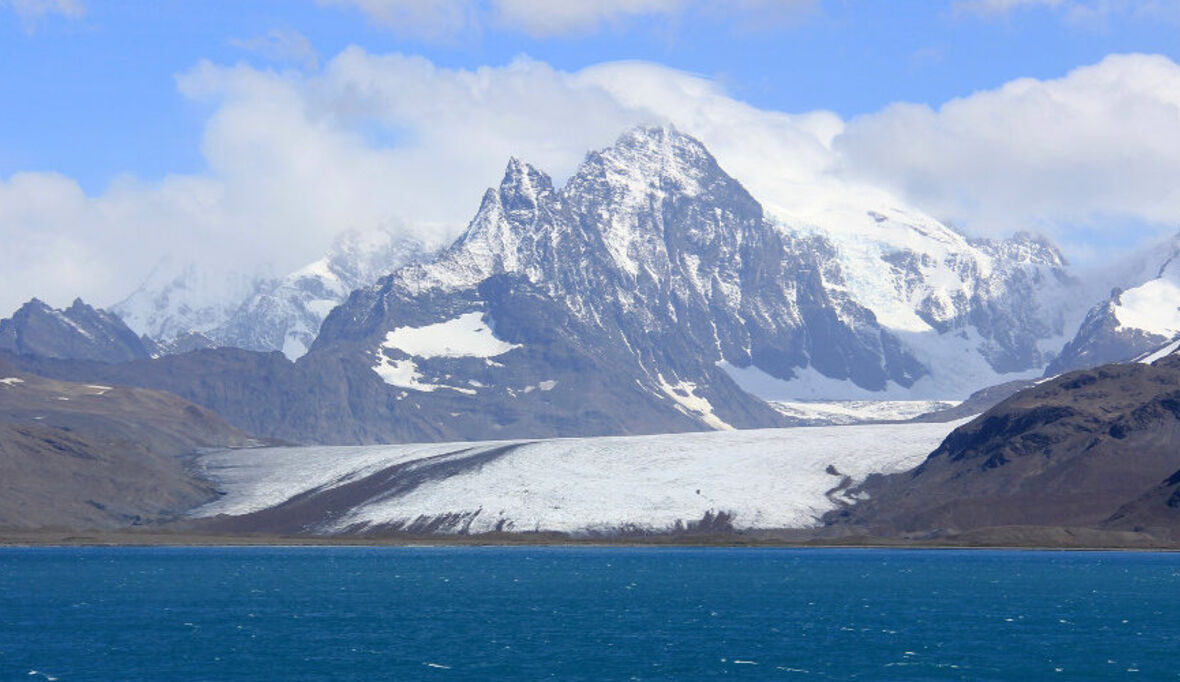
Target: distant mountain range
<point>649,293</point>
<point>79,332</point>
<point>179,310</point>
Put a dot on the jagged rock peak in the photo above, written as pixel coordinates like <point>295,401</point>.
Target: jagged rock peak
<point>653,157</point>
<point>1024,248</point>
<point>523,179</point>
<point>522,190</point>
<point>80,332</point>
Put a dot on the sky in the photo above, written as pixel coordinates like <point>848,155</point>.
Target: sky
<point>246,135</point>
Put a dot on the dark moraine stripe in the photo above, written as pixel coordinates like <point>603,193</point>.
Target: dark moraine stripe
<point>304,512</point>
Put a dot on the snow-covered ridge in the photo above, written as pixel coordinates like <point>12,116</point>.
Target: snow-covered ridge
<point>261,312</point>
<point>1160,354</point>
<point>974,312</point>
<point>1139,315</point>
<point>770,478</point>
<point>1150,307</point>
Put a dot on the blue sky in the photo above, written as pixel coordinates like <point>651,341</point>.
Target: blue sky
<point>135,131</point>
<point>94,96</point>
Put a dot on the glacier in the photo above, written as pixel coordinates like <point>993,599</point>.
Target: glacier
<point>758,479</point>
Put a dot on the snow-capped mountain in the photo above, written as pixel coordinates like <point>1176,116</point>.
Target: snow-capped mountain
<point>286,314</point>
<point>79,332</point>
<point>183,300</point>
<point>976,311</point>
<point>181,309</point>
<point>1141,314</point>
<point>654,268</point>
<point>650,293</point>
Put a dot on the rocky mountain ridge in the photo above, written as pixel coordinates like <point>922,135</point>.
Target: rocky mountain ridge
<point>96,456</point>
<point>977,312</point>
<point>1140,315</point>
<point>78,332</point>
<point>651,292</point>
<point>1092,448</point>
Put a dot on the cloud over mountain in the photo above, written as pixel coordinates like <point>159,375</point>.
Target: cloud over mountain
<point>1101,142</point>
<point>293,158</point>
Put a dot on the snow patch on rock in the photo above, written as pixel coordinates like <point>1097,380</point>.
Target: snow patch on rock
<point>684,393</point>
<point>463,336</point>
<point>1150,307</point>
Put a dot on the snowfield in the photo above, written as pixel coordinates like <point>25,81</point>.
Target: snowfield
<point>769,478</point>
<point>464,336</point>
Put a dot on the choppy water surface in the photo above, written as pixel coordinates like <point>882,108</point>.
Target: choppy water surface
<point>585,613</point>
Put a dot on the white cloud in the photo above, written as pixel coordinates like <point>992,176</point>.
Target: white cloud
<point>549,17</point>
<point>33,11</point>
<point>446,19</point>
<point>282,45</point>
<point>993,7</point>
<point>1101,142</point>
<point>426,18</point>
<point>294,157</point>
<point>1085,13</point>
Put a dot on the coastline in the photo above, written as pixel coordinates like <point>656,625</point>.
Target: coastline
<point>1022,538</point>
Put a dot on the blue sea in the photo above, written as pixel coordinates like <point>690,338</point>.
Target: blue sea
<point>530,613</point>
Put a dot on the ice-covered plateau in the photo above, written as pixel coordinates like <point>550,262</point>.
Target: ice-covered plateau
<point>767,478</point>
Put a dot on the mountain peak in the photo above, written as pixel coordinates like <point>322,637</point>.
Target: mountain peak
<point>79,305</point>
<point>653,158</point>
<point>35,303</point>
<point>79,332</point>
<point>523,185</point>
<point>652,135</point>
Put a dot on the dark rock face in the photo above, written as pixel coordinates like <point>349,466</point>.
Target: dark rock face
<point>1088,449</point>
<point>1156,512</point>
<point>1102,339</point>
<point>335,399</point>
<point>96,456</point>
<point>79,332</point>
<point>1137,318</point>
